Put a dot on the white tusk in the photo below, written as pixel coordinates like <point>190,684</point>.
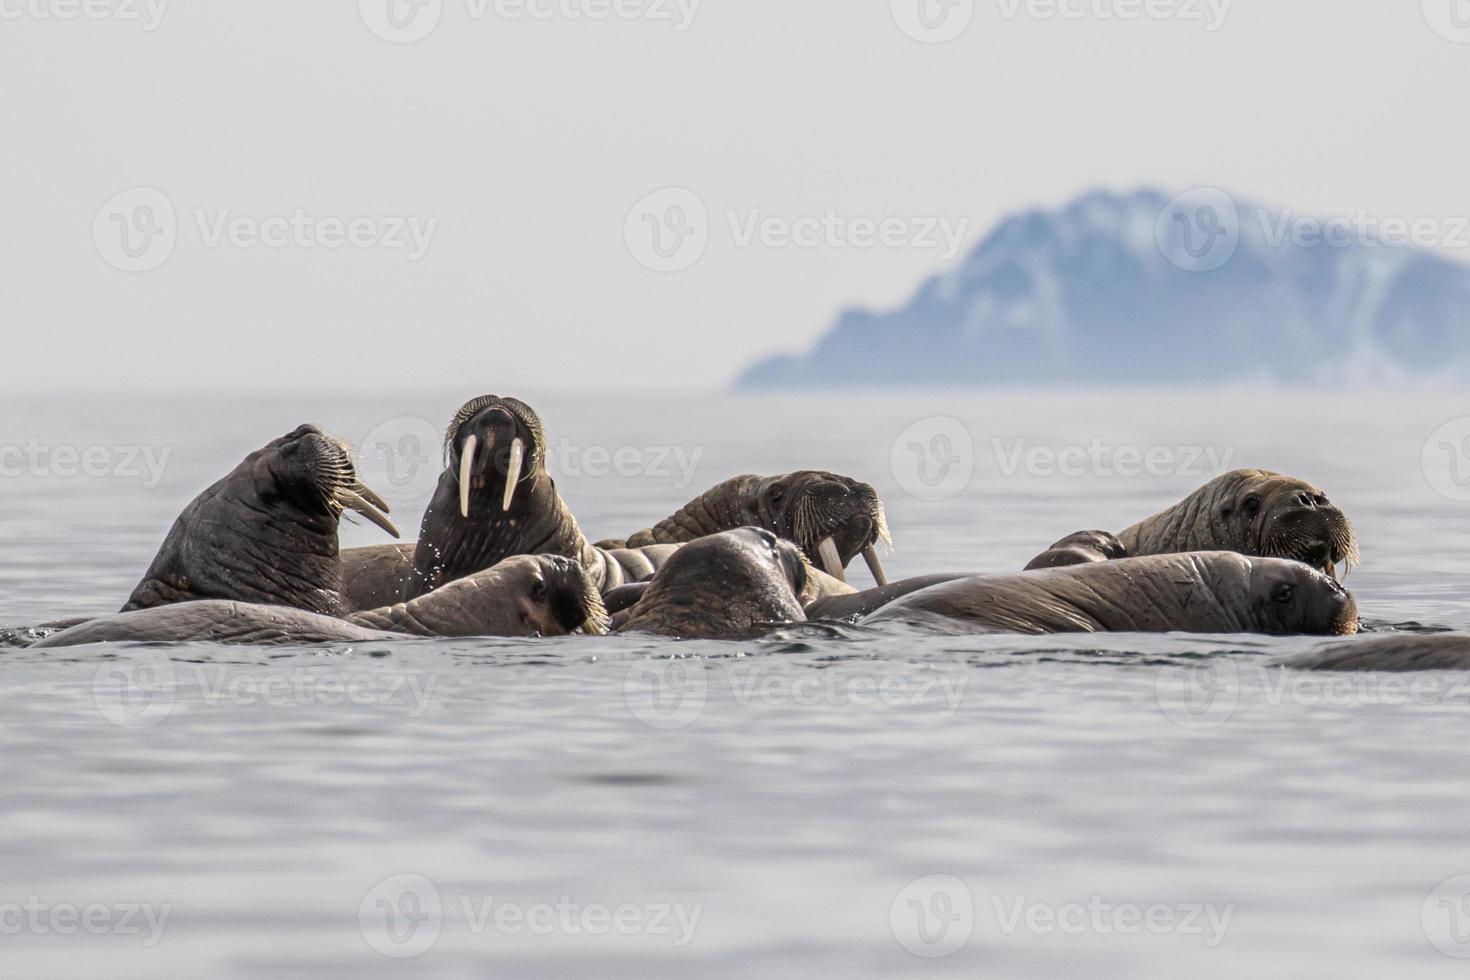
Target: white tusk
<point>355,502</point>
<point>466,469</point>
<point>831,561</point>
<point>513,471</point>
<point>367,494</point>
<point>870,555</point>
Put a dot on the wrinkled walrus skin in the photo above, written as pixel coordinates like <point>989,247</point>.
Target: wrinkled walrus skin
<point>724,586</point>
<point>522,596</point>
<point>267,532</point>
<point>832,518</point>
<point>1200,592</point>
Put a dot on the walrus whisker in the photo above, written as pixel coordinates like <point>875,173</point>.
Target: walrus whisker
<point>355,502</point>
<point>466,472</point>
<point>512,471</point>
<point>870,555</point>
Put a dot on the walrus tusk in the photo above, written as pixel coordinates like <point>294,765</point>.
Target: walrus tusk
<point>513,471</point>
<point>366,493</point>
<point>355,502</point>
<point>870,555</point>
<point>831,561</point>
<point>466,469</point>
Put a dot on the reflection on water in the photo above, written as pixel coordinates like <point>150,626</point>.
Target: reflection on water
<point>821,803</point>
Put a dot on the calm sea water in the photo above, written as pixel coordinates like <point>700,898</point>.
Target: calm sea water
<point>814,805</point>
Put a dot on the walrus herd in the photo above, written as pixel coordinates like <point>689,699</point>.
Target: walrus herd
<point>255,559</point>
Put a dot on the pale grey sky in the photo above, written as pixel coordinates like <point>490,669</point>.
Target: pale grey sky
<point>518,145</point>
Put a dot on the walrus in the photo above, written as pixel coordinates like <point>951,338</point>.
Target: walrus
<point>541,595</point>
<point>723,586</point>
<point>267,532</point>
<point>832,518</point>
<point>1390,653</point>
<point>1198,592</point>
<point>1079,549</point>
<point>495,499</point>
<point>1252,512</point>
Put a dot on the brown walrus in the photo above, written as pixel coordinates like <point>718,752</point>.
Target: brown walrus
<point>832,518</point>
<point>1199,592</point>
<point>1252,512</point>
<point>723,586</point>
<point>267,532</point>
<point>495,499</point>
<point>1390,653</point>
<point>1079,549</point>
<point>527,595</point>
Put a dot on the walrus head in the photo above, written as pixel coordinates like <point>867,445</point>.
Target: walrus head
<point>832,518</point>
<point>1290,599</point>
<point>527,595</point>
<point>491,445</point>
<point>558,596</point>
<point>724,585</point>
<point>267,532</point>
<point>1253,512</point>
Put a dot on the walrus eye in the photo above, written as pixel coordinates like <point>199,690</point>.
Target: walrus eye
<point>1284,593</point>
<point>777,492</point>
<point>1252,504</point>
<point>538,590</point>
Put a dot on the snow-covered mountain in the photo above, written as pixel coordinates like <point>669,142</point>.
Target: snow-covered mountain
<point>1123,289</point>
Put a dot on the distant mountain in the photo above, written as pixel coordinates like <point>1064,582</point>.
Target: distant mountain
<point>1108,291</point>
